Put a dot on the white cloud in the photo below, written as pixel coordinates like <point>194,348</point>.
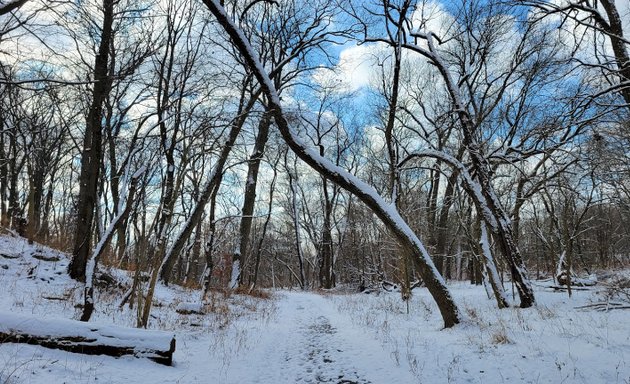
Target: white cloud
<point>356,69</point>
<point>359,66</point>
<point>431,16</point>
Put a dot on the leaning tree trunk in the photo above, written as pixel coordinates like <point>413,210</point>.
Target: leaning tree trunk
<point>619,45</point>
<point>499,221</point>
<point>367,194</point>
<point>490,267</point>
<point>124,210</point>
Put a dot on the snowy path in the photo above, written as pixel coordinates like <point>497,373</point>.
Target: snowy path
<point>300,337</point>
<point>311,342</point>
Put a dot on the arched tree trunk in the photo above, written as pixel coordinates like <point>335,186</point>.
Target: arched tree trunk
<point>407,239</point>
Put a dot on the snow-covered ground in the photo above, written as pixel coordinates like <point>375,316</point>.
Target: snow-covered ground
<point>300,337</point>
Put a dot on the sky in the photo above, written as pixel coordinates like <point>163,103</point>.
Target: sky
<point>357,64</point>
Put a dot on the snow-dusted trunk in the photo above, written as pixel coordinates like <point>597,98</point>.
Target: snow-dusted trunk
<point>501,226</point>
<point>240,254</point>
<point>209,245</point>
<point>619,43</point>
<point>89,339</point>
<point>510,249</point>
<point>500,222</point>
<point>367,194</point>
<point>124,208</point>
<point>491,268</point>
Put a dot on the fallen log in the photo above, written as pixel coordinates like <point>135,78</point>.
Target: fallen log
<point>564,288</point>
<point>604,306</point>
<point>87,338</point>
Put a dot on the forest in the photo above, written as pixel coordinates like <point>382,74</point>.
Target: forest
<point>191,158</point>
<point>323,145</point>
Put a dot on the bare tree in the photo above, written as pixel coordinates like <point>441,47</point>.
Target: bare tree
<point>92,155</point>
<point>392,219</point>
<point>598,18</point>
<point>124,209</point>
<point>283,43</point>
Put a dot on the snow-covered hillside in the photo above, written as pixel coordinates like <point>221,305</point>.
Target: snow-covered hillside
<point>302,337</point>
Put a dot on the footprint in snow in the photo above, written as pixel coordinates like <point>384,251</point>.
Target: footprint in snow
<point>321,360</point>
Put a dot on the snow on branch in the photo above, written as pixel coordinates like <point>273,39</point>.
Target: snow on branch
<point>366,193</point>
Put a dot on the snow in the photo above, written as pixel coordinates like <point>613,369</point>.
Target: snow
<point>309,337</point>
<point>236,273</point>
<point>93,333</point>
<point>345,179</point>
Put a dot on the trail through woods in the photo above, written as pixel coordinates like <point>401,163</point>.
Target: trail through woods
<point>302,337</point>
<point>312,342</point>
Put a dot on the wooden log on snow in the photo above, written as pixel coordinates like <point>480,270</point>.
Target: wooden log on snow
<point>87,338</point>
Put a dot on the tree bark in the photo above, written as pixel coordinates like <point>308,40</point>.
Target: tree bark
<point>4,174</point>
<point>296,223</point>
<point>259,247</point>
<point>326,268</point>
<point>240,255</point>
<point>92,149</point>
<point>619,46</point>
<point>490,266</point>
<point>499,222</point>
<point>11,6</point>
<point>209,246</point>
